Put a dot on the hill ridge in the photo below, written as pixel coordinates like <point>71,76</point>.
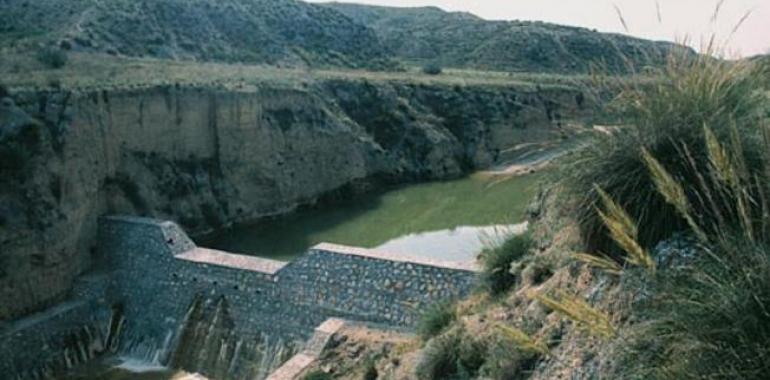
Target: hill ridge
<point>458,39</point>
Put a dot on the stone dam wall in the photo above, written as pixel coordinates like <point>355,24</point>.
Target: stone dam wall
<point>215,312</point>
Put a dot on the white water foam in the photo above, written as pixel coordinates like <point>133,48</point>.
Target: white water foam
<point>139,366</point>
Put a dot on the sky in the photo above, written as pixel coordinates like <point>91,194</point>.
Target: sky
<point>679,19</point>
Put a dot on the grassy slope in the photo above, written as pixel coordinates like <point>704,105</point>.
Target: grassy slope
<point>101,71</point>
<point>294,33</point>
<point>422,35</point>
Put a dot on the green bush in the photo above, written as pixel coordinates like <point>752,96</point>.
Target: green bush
<point>52,57</point>
<point>667,118</point>
<point>497,276</point>
<point>437,318</point>
<point>317,375</point>
<point>432,69</point>
<point>452,355</point>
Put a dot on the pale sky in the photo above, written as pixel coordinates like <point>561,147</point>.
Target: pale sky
<point>680,18</point>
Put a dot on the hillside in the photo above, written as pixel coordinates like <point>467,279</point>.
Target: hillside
<point>298,34</point>
<point>281,32</point>
<point>454,39</point>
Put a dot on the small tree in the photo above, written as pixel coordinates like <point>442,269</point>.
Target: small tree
<point>52,57</point>
<point>432,69</point>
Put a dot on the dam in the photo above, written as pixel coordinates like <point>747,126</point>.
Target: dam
<point>161,299</point>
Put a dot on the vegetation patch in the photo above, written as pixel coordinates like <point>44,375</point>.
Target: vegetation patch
<point>432,69</point>
<point>436,319</point>
<point>52,57</point>
<point>498,276</point>
<point>510,358</point>
<point>694,159</point>
<point>317,375</point>
<point>452,355</point>
<point>667,119</point>
<point>708,321</point>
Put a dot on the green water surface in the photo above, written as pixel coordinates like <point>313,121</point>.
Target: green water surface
<point>371,221</point>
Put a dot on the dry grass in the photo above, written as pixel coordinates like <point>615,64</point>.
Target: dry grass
<point>624,232</point>
<point>599,261</point>
<point>592,320</point>
<point>523,341</point>
<point>100,71</point>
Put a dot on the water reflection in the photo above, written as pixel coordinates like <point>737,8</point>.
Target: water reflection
<point>455,244</point>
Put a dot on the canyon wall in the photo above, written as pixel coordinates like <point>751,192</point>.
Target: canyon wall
<point>208,157</point>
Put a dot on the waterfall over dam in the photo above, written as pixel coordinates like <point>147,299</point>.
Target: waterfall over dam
<point>163,300</point>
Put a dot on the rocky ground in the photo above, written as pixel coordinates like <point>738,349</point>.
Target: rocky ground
<point>358,352</point>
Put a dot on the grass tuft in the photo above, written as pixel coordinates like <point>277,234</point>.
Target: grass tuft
<point>497,276</point>
<point>692,157</point>
<point>592,320</point>
<point>662,127</point>
<point>317,375</point>
<point>452,355</point>
<point>600,261</point>
<point>624,232</point>
<point>436,319</point>
<point>523,341</point>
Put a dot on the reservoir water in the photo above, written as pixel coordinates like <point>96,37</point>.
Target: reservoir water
<point>450,220</point>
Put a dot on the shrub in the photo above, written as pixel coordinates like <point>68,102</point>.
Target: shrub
<point>452,355</point>
<point>52,57</point>
<point>16,151</point>
<point>497,276</point>
<point>317,375</point>
<point>667,118</point>
<point>432,69</point>
<point>437,318</point>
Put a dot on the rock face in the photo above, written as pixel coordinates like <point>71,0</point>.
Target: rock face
<point>210,157</point>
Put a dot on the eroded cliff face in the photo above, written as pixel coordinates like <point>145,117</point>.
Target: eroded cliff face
<point>210,157</point>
